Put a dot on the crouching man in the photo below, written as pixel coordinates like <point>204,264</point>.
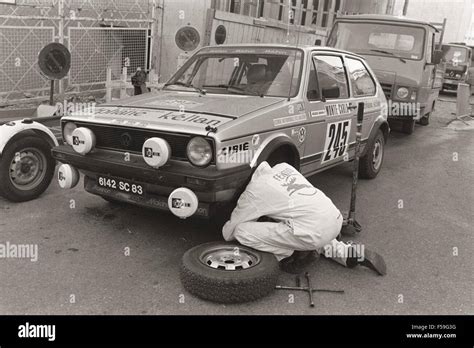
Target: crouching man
<point>280,212</point>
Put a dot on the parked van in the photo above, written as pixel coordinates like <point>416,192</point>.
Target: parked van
<point>458,61</point>
<point>403,54</point>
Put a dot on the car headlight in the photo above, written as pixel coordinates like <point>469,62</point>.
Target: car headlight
<point>67,132</point>
<point>402,92</point>
<point>458,76</point>
<point>199,151</point>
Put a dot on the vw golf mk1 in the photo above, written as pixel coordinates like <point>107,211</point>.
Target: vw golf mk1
<point>192,146</point>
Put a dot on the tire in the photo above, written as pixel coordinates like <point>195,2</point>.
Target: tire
<point>281,155</point>
<point>425,120</point>
<point>370,164</point>
<point>228,286</point>
<point>20,181</point>
<point>408,127</point>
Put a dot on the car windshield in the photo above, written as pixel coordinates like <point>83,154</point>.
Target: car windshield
<point>454,54</point>
<point>405,42</point>
<point>261,72</point>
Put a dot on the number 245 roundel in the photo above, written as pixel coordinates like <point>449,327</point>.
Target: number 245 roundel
<point>337,139</point>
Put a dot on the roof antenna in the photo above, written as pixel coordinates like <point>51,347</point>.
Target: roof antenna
<point>291,15</point>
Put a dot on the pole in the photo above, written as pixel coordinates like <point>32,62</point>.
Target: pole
<point>51,93</point>
<point>405,7</point>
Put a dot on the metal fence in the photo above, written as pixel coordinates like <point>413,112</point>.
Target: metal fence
<point>99,34</point>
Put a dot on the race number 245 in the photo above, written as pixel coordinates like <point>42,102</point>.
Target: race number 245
<point>337,139</point>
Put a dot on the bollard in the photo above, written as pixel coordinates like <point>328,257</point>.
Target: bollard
<point>463,108</point>
<point>462,101</point>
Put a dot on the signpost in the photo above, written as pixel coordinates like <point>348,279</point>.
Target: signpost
<point>54,61</point>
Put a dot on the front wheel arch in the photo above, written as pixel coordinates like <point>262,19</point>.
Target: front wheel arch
<point>279,144</point>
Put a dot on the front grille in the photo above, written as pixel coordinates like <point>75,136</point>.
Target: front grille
<point>387,90</point>
<point>110,137</point>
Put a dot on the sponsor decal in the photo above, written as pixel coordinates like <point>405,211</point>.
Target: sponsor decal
<point>150,153</point>
<point>178,203</point>
<point>300,133</point>
<point>337,109</point>
<point>237,153</point>
<point>120,111</point>
<point>231,149</point>
<point>256,140</point>
<point>288,179</point>
<point>289,119</point>
<point>174,102</point>
<point>317,113</point>
<point>76,141</point>
<point>190,118</point>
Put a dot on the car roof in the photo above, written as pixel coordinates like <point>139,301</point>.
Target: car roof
<point>456,45</point>
<point>389,18</point>
<point>286,46</point>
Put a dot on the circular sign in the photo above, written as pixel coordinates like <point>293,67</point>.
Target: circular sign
<point>220,35</point>
<point>187,38</point>
<point>54,61</point>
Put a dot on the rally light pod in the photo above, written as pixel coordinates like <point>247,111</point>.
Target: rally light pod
<point>68,176</point>
<point>183,202</point>
<point>83,140</point>
<point>156,152</point>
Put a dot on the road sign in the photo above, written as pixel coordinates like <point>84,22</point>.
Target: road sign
<point>54,61</point>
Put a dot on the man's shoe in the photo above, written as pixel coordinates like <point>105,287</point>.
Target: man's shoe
<point>297,263</point>
<point>369,259</point>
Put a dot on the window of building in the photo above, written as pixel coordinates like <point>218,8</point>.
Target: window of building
<point>280,10</point>
<point>234,6</point>
<point>323,12</point>
<point>331,74</point>
<point>361,82</point>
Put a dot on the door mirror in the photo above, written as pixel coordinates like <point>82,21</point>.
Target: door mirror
<point>437,56</point>
<point>331,93</point>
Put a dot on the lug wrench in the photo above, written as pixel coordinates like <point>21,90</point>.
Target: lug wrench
<point>309,289</point>
<point>350,226</point>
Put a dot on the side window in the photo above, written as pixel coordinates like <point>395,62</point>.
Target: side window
<point>331,76</point>
<point>429,51</point>
<point>313,90</point>
<point>361,82</point>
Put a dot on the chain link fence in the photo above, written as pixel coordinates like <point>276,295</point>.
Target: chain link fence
<point>100,34</point>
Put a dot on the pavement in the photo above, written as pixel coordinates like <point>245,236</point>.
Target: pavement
<point>417,213</point>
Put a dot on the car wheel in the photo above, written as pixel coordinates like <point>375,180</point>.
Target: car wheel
<point>425,120</point>
<point>26,168</point>
<point>228,272</point>
<point>408,127</point>
<point>371,163</point>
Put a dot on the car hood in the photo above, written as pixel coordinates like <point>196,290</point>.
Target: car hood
<point>225,104</point>
<point>175,111</point>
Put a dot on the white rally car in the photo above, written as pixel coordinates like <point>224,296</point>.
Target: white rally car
<point>193,145</point>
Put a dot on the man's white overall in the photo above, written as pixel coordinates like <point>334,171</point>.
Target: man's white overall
<point>306,218</point>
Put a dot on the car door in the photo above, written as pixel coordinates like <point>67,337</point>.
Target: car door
<point>328,105</point>
<point>363,90</point>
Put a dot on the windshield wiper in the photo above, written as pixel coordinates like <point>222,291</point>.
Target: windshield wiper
<point>240,90</point>
<point>179,83</point>
<point>390,54</point>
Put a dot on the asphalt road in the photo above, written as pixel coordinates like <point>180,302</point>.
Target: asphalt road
<point>427,244</point>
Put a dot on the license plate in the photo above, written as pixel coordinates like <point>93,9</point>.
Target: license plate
<point>121,185</point>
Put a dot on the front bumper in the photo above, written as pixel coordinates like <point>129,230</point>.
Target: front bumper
<point>451,84</point>
<point>209,184</point>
